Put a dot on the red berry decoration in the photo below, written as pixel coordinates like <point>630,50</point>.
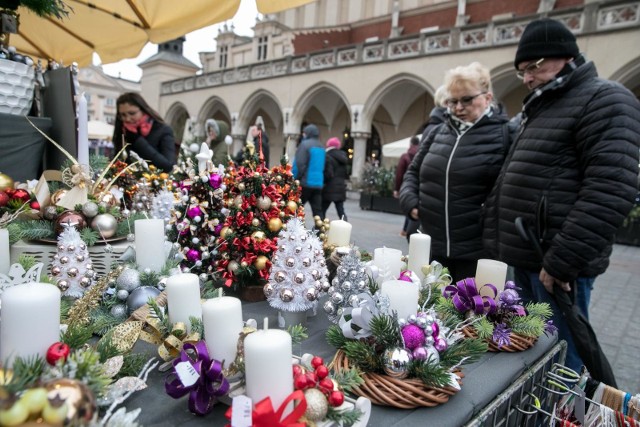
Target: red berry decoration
<point>317,361</point>
<point>336,398</point>
<point>56,352</point>
<point>322,371</point>
<point>4,199</point>
<point>312,379</point>
<point>22,195</point>
<point>300,382</point>
<point>35,205</point>
<point>326,385</point>
<point>297,370</point>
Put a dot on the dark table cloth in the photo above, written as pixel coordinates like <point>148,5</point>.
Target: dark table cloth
<point>483,381</point>
<point>21,146</point>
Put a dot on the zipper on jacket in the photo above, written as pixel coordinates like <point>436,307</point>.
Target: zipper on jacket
<point>446,194</point>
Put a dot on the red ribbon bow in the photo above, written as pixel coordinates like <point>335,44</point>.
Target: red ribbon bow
<point>264,416</point>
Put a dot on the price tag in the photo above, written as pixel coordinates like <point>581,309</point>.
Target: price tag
<point>241,415</point>
<point>187,374</point>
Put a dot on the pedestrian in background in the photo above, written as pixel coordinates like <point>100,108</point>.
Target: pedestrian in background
<point>335,178</point>
<point>403,164</point>
<point>217,130</point>
<point>571,176</point>
<point>308,167</point>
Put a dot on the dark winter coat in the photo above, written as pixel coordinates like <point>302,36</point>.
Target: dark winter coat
<point>449,180</point>
<point>403,165</point>
<point>571,175</point>
<point>157,148</point>
<point>219,147</point>
<point>308,164</point>
<point>335,176</point>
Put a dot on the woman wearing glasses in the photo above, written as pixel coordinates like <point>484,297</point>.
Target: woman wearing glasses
<point>138,125</point>
<point>455,169</point>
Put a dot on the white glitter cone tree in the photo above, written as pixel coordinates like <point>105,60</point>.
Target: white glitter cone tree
<point>299,272</point>
<point>72,268</point>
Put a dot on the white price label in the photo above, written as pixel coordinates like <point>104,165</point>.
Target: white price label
<point>187,374</point>
<point>241,414</point>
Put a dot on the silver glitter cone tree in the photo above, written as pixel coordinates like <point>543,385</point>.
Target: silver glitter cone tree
<point>299,272</point>
<point>72,268</point>
<point>351,279</point>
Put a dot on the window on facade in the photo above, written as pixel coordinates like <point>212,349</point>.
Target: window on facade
<point>262,48</point>
<point>110,102</point>
<point>109,119</point>
<point>223,56</point>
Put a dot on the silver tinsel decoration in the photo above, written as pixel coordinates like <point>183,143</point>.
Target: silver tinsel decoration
<point>128,280</point>
<point>119,311</point>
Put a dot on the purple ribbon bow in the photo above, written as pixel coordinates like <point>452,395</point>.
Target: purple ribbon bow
<point>209,385</point>
<point>465,297</point>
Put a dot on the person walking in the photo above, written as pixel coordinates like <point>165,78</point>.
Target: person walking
<point>335,178</point>
<point>308,167</point>
<point>570,178</point>
<point>146,134</point>
<point>403,164</point>
<point>216,131</point>
<point>455,169</point>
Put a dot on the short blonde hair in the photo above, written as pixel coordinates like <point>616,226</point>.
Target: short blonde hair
<point>440,97</point>
<point>472,76</point>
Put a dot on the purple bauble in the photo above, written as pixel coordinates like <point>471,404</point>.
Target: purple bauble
<point>509,297</point>
<point>441,344</point>
<point>413,336</point>
<point>405,276</point>
<point>216,229</point>
<point>420,353</point>
<point>215,181</point>
<point>194,212</point>
<point>435,329</point>
<point>193,255</point>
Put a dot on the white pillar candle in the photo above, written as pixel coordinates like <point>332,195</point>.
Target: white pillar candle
<point>222,319</point>
<point>83,130</point>
<point>419,252</point>
<point>5,255</point>
<point>389,263</point>
<point>183,298</point>
<point>267,361</point>
<point>403,297</point>
<point>150,244</point>
<point>490,271</point>
<point>339,233</point>
<point>29,321</point>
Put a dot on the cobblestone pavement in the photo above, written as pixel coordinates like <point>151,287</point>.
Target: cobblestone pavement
<point>615,300</point>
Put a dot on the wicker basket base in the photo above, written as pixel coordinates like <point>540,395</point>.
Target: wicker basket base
<point>399,393</point>
<point>518,342</point>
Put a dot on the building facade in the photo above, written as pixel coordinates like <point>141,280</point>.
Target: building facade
<point>366,71</point>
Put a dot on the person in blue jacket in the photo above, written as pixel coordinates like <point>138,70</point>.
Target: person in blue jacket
<point>308,167</point>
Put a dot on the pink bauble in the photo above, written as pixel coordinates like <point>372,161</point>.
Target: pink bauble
<point>194,212</point>
<point>420,353</point>
<point>413,336</point>
<point>193,255</point>
<point>441,344</point>
<point>436,329</point>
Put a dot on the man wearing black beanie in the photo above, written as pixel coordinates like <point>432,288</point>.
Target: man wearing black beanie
<point>570,176</point>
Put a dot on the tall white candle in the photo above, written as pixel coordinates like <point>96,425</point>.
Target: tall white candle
<point>5,255</point>
<point>150,243</point>
<point>267,361</point>
<point>83,130</point>
<point>339,233</point>
<point>403,297</point>
<point>222,319</point>
<point>490,271</point>
<point>183,298</point>
<point>29,321</point>
<point>389,263</point>
<point>419,252</point>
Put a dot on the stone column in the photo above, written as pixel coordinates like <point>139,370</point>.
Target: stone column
<point>359,154</point>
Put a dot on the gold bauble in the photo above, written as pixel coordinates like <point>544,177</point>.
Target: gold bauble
<point>321,236</point>
<point>225,232</point>
<point>244,264</point>
<point>238,201</point>
<point>258,236</point>
<point>81,404</point>
<point>255,222</point>
<point>6,182</point>
<point>317,405</point>
<point>58,195</point>
<point>241,186</point>
<point>108,198</point>
<point>318,223</point>
<point>292,206</point>
<point>275,224</point>
<point>317,218</point>
<point>281,214</point>
<point>261,262</point>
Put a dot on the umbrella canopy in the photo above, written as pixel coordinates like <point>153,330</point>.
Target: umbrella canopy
<point>397,148</point>
<point>99,130</point>
<point>119,29</point>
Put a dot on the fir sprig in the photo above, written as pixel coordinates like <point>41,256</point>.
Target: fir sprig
<point>298,333</point>
<point>197,326</point>
<point>363,355</point>
<point>386,330</point>
<point>106,348</point>
<point>76,336</point>
<point>348,378</point>
<point>469,349</point>
<point>32,230</point>
<point>132,365</point>
<point>89,236</point>
<point>529,326</point>
<point>26,372</point>
<point>430,373</point>
<point>539,309</point>
<point>102,321</point>
<point>484,328</point>
<point>335,337</point>
<point>157,312</point>
<point>344,418</point>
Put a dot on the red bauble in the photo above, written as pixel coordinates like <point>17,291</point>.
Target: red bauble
<point>312,379</point>
<point>317,361</point>
<point>326,385</point>
<point>22,195</point>
<point>297,370</point>
<point>336,398</point>
<point>322,371</point>
<point>4,199</point>
<point>300,382</point>
<point>56,352</point>
<point>35,205</point>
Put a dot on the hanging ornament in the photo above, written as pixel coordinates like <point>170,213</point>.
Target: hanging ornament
<point>105,224</point>
<point>90,209</point>
<point>292,206</point>
<point>263,203</point>
<point>70,218</point>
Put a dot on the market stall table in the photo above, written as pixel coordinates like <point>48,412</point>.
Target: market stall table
<point>483,381</point>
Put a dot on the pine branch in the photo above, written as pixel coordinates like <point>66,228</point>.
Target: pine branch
<point>386,331</point>
<point>33,230</point>
<point>529,326</point>
<point>76,336</point>
<point>432,293</point>
<point>348,378</point>
<point>89,236</point>
<point>335,338</point>
<point>102,321</point>
<point>362,355</point>
<point>484,328</point>
<point>196,325</point>
<point>149,279</point>
<point>132,365</point>
<point>26,372</point>
<point>45,8</point>
<point>540,309</point>
<point>98,162</point>
<point>430,373</point>
<point>65,306</point>
<point>446,309</point>
<point>106,348</point>
<point>26,261</point>
<point>344,418</point>
<point>469,348</point>
<point>165,325</point>
<point>298,333</point>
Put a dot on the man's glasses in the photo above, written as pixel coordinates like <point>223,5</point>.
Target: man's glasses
<point>530,69</point>
<point>465,101</point>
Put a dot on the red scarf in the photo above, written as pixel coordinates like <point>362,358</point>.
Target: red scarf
<point>144,125</point>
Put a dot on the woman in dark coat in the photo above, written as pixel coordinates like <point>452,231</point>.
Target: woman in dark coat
<point>335,176</point>
<point>455,169</point>
<point>145,132</point>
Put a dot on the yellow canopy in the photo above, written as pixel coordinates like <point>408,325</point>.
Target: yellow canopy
<point>119,29</point>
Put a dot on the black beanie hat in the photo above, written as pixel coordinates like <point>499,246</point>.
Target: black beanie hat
<point>546,38</point>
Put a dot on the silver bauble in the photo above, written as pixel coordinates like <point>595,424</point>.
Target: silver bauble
<point>85,282</point>
<point>335,281</point>
<point>346,286</point>
<point>119,311</point>
<point>329,308</point>
<point>128,280</point>
<point>202,276</point>
<point>140,296</point>
<point>83,246</point>
<point>299,278</point>
<point>233,266</point>
<point>90,209</point>
<point>396,362</point>
<point>72,272</point>
<point>311,294</point>
<point>306,262</point>
<point>353,274</point>
<point>290,262</point>
<point>263,203</point>
<point>131,237</point>
<point>56,271</point>
<point>89,274</point>
<point>61,248</point>
<point>286,295</point>
<point>162,283</point>
<point>412,319</point>
<point>64,259</point>
<point>80,258</point>
<point>71,248</point>
<point>318,285</point>
<point>105,224</point>
<point>421,322</point>
<point>297,250</point>
<point>429,340</point>
<point>317,405</point>
<point>353,300</point>
<point>50,213</point>
<point>268,290</point>
<point>315,274</point>
<point>280,276</point>
<point>362,285</point>
<point>325,286</point>
<point>402,322</point>
<point>337,298</point>
<point>88,266</point>
<point>122,294</point>
<point>63,285</point>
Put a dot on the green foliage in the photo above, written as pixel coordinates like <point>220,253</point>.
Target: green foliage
<point>85,365</point>
<point>132,365</point>
<point>539,309</point>
<point>335,338</point>
<point>26,372</point>
<point>46,8</point>
<point>363,355</point>
<point>348,378</point>
<point>26,261</point>
<point>484,328</point>
<point>156,311</point>
<point>298,333</point>
<point>98,162</point>
<point>428,372</point>
<point>378,180</point>
<point>529,326</point>
<point>445,308</point>
<point>469,349</point>
<point>76,336</point>
<point>386,331</point>
<point>196,325</point>
<point>65,306</point>
<point>106,348</point>
<point>89,236</point>
<point>343,418</point>
<point>102,321</point>
<point>429,295</point>
<point>32,230</point>
<point>150,278</point>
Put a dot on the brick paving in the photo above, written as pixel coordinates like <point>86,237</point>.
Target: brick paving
<point>615,300</point>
